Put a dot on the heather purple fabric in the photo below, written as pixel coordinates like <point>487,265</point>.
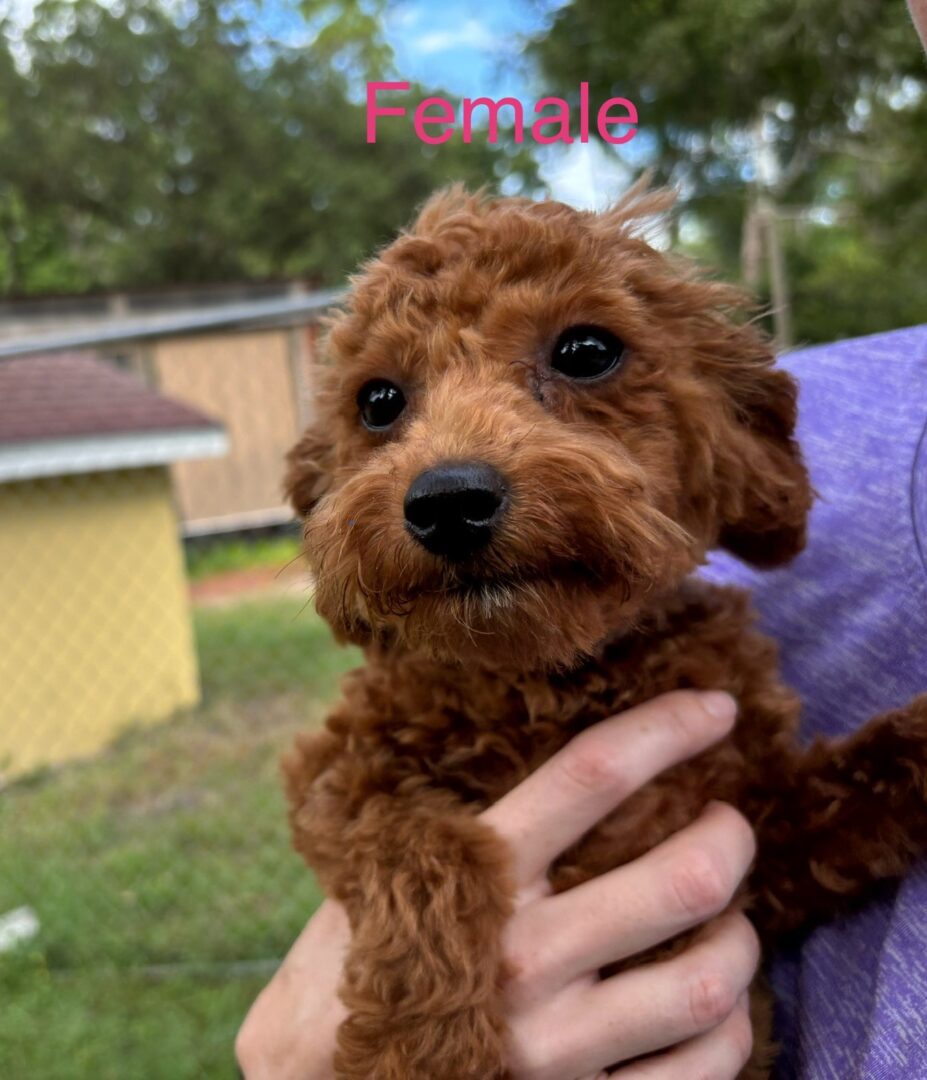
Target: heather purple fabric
<point>851,618</point>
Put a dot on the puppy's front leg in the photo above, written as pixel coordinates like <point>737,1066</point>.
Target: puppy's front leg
<point>426,888</point>
<point>852,813</point>
<point>427,895</point>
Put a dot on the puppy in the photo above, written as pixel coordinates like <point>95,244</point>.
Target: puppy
<point>531,429</point>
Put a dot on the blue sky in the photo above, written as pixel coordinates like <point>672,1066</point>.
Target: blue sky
<point>470,48</point>
<point>473,48</point>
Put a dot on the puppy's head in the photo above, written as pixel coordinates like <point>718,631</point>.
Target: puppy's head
<point>531,425</point>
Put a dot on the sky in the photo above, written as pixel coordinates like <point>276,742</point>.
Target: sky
<point>472,48</point>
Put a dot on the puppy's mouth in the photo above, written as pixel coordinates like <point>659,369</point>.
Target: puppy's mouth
<point>494,587</point>
<point>522,616</point>
<point>489,588</point>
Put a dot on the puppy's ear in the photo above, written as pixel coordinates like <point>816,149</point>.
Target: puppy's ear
<point>762,494</point>
<point>764,491</point>
<point>308,471</point>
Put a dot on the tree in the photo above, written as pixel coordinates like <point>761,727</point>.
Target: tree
<point>828,100</point>
<point>149,143</point>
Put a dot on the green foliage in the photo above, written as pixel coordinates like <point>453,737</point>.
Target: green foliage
<point>847,281</point>
<point>161,871</point>
<point>703,70</point>
<point>149,143</point>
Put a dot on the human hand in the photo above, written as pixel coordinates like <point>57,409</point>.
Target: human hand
<point>289,1032</point>
<point>919,15</point>
<point>564,1022</point>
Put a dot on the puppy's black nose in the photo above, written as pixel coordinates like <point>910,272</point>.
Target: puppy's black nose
<point>454,508</point>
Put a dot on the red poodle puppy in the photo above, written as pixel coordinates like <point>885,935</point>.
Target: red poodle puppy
<point>532,428</point>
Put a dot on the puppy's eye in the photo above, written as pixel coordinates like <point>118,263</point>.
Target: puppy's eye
<point>586,352</point>
<point>380,403</point>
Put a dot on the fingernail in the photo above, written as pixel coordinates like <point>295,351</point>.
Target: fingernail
<point>721,705</point>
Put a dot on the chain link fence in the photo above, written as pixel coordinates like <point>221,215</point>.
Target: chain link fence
<point>158,651</point>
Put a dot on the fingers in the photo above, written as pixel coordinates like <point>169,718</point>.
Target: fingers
<point>289,1032</point>
<point>720,1053</point>
<point>641,1010</point>
<point>689,878</point>
<point>689,994</point>
<point>577,787</point>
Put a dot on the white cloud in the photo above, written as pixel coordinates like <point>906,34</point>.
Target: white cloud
<point>402,17</point>
<point>588,176</point>
<point>470,34</point>
<point>585,175</point>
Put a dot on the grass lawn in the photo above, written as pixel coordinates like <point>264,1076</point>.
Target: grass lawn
<point>161,870</point>
<point>224,555</point>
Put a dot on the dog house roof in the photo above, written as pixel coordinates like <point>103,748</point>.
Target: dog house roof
<point>70,412</point>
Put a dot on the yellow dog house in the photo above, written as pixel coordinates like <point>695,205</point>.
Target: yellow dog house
<point>95,630</point>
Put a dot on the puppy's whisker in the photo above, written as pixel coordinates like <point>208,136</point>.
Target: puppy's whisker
<point>298,557</point>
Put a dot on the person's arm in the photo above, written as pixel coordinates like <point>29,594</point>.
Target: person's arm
<point>688,1012</point>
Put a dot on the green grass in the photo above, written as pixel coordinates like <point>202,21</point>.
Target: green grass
<point>161,870</point>
<point>222,556</point>
<point>116,1026</point>
<point>266,646</point>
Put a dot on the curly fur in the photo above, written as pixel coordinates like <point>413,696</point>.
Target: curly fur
<point>583,605</point>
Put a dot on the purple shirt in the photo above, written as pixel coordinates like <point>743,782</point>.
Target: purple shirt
<point>850,615</point>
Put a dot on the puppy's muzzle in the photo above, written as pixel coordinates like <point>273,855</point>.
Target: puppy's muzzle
<point>454,508</point>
